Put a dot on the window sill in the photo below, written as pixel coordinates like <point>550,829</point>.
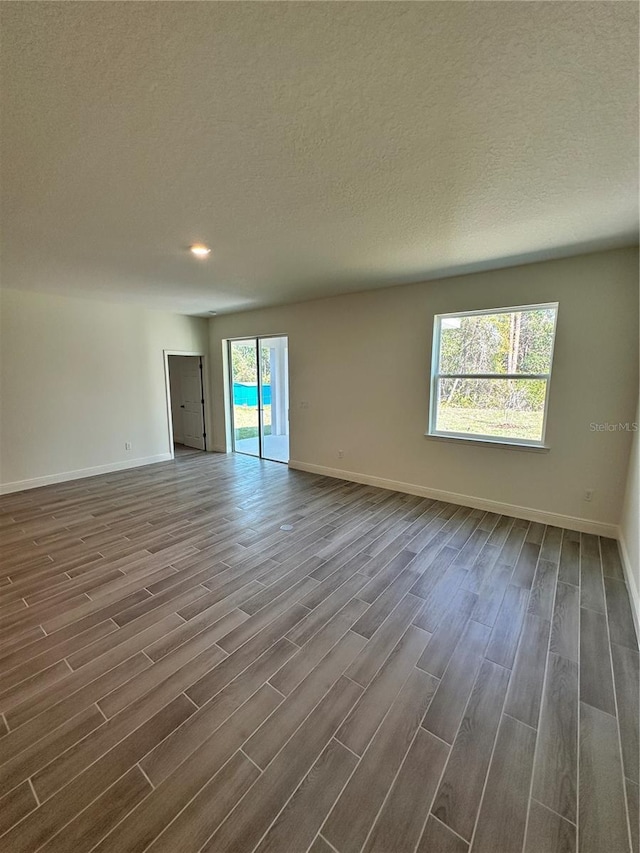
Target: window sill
<point>488,442</point>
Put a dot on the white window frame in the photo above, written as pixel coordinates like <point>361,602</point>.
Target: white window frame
<point>436,375</point>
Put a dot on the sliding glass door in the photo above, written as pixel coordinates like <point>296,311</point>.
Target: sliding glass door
<point>243,358</point>
<point>260,397</point>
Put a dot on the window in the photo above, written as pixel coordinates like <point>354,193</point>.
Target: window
<point>490,374</point>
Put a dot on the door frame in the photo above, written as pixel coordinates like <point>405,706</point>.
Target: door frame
<point>229,401</point>
<point>205,396</point>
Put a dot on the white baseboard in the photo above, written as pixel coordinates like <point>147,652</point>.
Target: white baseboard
<point>584,525</point>
<point>64,476</point>
<point>632,588</point>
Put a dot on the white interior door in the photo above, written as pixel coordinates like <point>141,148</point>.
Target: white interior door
<point>191,387</point>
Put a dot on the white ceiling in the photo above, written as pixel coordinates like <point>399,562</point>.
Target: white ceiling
<point>316,147</point>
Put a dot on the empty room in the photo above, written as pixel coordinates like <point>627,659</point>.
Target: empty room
<point>319,459</point>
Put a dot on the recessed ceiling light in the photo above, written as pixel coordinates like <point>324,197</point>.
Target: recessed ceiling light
<point>200,250</point>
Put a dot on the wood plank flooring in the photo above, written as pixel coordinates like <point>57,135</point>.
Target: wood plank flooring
<point>387,673</point>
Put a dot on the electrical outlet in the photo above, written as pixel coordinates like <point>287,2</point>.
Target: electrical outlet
<point>127,445</point>
<point>341,454</point>
<point>588,494</point>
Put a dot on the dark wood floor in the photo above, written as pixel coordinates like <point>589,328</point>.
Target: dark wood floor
<point>387,673</point>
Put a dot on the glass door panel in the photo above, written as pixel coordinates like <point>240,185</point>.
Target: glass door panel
<point>274,396</point>
<point>245,396</point>
<point>264,390</point>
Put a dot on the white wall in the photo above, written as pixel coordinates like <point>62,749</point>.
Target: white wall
<point>630,523</point>
<point>361,362</point>
<point>630,527</point>
<point>79,378</point>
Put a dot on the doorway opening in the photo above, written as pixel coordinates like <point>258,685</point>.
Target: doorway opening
<point>259,388</point>
<point>185,390</point>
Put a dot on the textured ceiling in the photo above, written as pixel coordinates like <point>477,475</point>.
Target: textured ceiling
<point>316,147</point>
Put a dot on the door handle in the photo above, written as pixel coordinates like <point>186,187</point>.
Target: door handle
<point>182,405</point>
